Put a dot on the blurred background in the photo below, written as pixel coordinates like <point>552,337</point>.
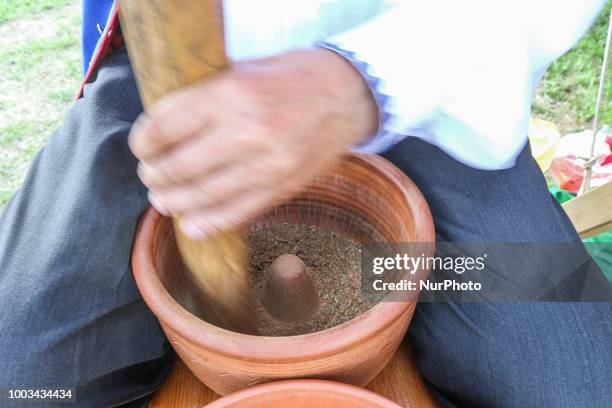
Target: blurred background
<point>40,71</point>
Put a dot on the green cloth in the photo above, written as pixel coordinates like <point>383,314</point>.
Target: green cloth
<point>599,246</point>
<point>560,194</point>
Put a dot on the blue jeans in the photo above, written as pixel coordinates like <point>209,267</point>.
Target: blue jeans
<point>538,354</point>
<point>72,315</point>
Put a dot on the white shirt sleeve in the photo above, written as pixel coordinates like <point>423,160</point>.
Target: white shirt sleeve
<point>461,74</point>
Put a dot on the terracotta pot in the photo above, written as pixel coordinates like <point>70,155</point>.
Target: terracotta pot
<point>365,197</point>
<point>304,394</point>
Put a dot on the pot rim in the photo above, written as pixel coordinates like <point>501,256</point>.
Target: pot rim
<point>285,348</point>
<point>315,387</point>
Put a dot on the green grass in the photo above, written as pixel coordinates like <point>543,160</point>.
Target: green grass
<point>62,95</point>
<point>5,195</point>
<point>16,131</point>
<point>23,60</point>
<point>40,71</point>
<point>568,91</point>
<point>13,9</point>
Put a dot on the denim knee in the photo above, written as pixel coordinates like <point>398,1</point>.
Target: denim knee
<point>516,355</point>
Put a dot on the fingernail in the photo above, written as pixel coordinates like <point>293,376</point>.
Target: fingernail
<point>141,120</point>
<point>134,145</point>
<point>143,171</point>
<point>135,127</point>
<point>139,172</point>
<point>158,205</point>
<point>191,230</point>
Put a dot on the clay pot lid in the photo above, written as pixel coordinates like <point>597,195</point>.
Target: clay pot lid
<point>302,394</point>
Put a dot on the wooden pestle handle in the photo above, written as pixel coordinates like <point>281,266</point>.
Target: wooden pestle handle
<point>173,44</point>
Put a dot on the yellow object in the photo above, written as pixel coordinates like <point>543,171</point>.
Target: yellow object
<point>543,137</point>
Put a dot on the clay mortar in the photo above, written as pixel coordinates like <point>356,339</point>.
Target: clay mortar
<point>365,198</point>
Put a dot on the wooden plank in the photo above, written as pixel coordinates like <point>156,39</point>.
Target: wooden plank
<point>182,389</point>
<point>591,213</point>
<point>399,381</point>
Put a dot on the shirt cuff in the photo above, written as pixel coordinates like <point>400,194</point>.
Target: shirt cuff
<point>383,140</point>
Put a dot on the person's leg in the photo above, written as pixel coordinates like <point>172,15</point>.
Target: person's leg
<point>71,312</point>
<point>502,354</point>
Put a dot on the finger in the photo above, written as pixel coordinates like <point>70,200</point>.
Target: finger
<point>246,207</point>
<point>158,205</point>
<point>144,171</point>
<point>173,119</point>
<point>218,188</point>
<point>202,155</point>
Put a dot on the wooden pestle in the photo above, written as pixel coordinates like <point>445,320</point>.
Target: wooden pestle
<point>173,44</point>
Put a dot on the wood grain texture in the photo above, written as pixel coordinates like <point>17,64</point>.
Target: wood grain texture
<point>400,381</point>
<point>173,44</point>
<point>591,213</point>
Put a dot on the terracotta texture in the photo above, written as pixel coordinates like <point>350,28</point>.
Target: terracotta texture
<point>366,198</point>
<point>399,381</point>
<point>304,394</point>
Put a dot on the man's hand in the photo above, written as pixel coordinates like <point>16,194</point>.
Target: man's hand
<point>223,151</point>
